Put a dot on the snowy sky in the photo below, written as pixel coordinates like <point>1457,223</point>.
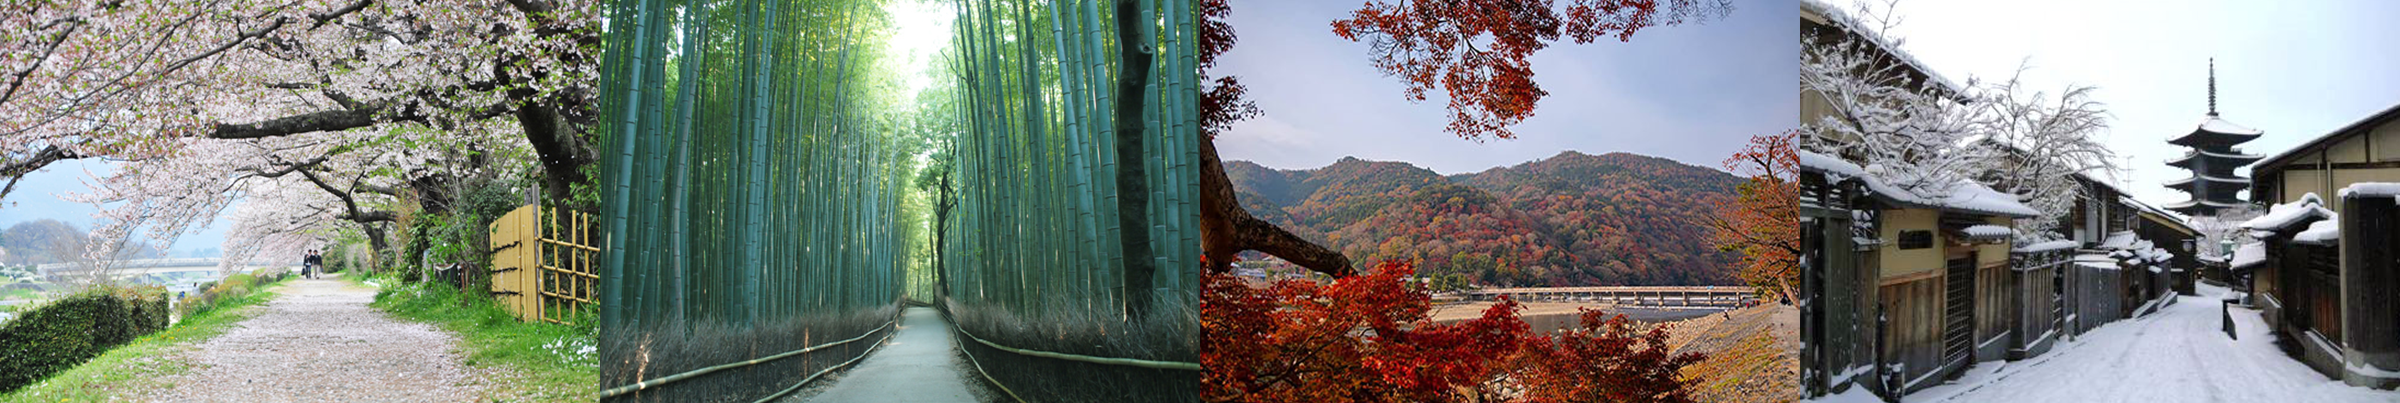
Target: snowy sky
<point>1692,93</point>
<point>2293,71</point>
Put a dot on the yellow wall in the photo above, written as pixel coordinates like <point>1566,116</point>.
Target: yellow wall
<point>1898,262</point>
<point>2380,144</point>
<point>2387,142</point>
<point>1993,254</point>
<point>2352,149</point>
<point>2297,183</point>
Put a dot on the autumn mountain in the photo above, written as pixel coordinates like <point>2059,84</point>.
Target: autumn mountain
<point>1570,219</point>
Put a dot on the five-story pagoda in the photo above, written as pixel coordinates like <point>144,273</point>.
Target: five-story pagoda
<point>2211,160</point>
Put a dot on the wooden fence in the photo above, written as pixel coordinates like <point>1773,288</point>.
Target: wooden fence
<point>2039,306</point>
<point>543,263</point>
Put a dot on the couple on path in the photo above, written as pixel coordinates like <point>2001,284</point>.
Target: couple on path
<point>311,264</point>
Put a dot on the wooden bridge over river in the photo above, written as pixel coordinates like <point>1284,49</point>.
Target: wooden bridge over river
<point>1656,296</point>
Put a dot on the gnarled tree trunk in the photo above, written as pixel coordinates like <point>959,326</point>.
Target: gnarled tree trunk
<point>1226,229</point>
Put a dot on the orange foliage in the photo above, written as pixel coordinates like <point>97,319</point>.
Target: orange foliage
<point>1477,50</point>
<point>1763,222</point>
<point>1568,220</point>
<point>1366,338</point>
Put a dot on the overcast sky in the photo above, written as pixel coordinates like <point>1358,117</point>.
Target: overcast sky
<point>39,197</point>
<point>2295,70</point>
<point>1693,93</point>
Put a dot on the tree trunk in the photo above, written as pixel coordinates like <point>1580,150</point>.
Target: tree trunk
<point>563,154</point>
<point>1226,229</point>
<point>382,253</point>
<point>1133,190</point>
<point>941,229</point>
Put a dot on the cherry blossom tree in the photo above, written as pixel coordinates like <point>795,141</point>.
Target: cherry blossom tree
<point>266,101</point>
<point>129,80</point>
<point>300,187</point>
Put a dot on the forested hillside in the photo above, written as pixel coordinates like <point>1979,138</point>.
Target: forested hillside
<point>1570,219</point>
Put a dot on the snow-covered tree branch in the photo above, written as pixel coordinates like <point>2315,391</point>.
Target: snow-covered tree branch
<point>1920,132</point>
<point>2040,143</point>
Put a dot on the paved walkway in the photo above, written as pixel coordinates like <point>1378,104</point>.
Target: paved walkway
<point>319,342</point>
<point>2179,354</point>
<point>918,364</point>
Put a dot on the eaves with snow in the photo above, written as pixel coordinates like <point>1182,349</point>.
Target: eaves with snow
<point>1964,196</point>
<point>2285,215</point>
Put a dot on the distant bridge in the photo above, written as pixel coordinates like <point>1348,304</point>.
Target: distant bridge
<point>1708,296</point>
<point>132,267</point>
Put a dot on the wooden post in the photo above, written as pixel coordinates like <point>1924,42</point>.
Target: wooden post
<point>2368,307</point>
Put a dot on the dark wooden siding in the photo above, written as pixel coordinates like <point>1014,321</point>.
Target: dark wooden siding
<point>1912,338</point>
<point>1994,294</point>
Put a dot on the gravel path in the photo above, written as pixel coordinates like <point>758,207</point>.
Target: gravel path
<point>318,341</point>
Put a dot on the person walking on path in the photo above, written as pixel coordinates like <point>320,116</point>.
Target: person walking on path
<point>311,264</point>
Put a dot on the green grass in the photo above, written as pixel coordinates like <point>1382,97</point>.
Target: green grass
<point>552,362</point>
<point>20,294</point>
<point>126,372</point>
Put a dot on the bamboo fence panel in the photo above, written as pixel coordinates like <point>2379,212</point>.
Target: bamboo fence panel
<point>544,263</point>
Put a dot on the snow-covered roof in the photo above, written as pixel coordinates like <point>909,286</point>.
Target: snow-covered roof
<point>1975,197</point>
<point>2219,125</point>
<point>2249,254</point>
<point>1965,196</point>
<point>2173,218</point>
<point>2120,240</point>
<point>2048,246</point>
<point>2097,261</point>
<point>2361,126</point>
<point>2215,127</point>
<point>2236,155</point>
<point>1987,232</point>
<point>2285,215</point>
<point>2188,180</point>
<point>1830,165</point>
<point>2210,203</point>
<point>2156,255</point>
<point>2325,232</point>
<point>2371,189</point>
<point>1841,19</point>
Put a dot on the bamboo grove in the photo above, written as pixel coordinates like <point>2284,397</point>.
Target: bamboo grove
<point>769,182</point>
<point>748,188</point>
<point>743,181</point>
<point>1041,223</point>
<point>1076,223</point>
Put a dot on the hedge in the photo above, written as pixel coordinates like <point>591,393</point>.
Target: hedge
<point>64,333</point>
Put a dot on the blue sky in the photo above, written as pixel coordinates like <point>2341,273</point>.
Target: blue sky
<point>1693,93</point>
<point>2295,70</point>
<point>39,197</point>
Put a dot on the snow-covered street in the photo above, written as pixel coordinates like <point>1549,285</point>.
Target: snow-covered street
<point>2179,354</point>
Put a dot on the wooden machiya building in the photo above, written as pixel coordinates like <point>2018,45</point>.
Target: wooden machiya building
<point>1921,284</point>
<point>2169,232</point>
<point>1900,290</point>
<point>2324,269</point>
